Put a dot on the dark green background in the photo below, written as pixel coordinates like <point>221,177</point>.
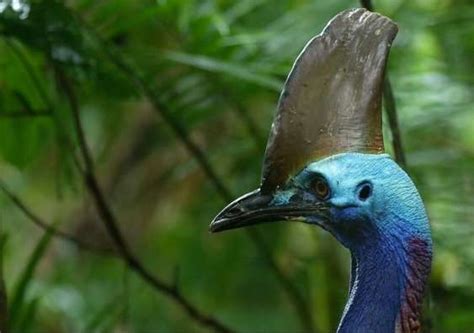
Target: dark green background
<point>217,68</point>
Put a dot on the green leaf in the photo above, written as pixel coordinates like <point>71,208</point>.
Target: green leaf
<point>28,316</point>
<point>18,303</point>
<point>217,66</point>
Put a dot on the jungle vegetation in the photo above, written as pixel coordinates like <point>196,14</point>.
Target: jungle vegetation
<point>125,126</point>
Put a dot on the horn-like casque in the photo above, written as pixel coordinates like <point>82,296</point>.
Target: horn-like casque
<point>331,101</point>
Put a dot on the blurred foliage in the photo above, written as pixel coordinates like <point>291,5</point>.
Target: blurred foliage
<point>218,67</point>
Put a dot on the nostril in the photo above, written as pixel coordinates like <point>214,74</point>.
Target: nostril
<point>234,210</point>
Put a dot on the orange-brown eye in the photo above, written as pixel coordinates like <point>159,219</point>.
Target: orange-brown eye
<point>321,188</point>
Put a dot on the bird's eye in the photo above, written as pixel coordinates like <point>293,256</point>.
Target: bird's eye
<point>365,191</point>
<point>321,188</point>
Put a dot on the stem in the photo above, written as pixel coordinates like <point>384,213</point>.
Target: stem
<point>111,223</point>
<point>390,109</point>
<point>47,227</point>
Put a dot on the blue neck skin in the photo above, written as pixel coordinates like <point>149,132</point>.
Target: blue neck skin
<point>389,238</point>
<point>388,235</point>
<point>386,271</point>
<point>375,296</point>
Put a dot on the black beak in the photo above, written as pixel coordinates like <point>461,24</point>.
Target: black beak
<point>256,208</point>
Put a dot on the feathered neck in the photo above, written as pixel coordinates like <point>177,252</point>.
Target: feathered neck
<point>389,274</point>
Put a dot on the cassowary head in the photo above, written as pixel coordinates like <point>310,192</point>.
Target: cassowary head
<point>356,197</point>
<point>324,162</point>
<point>325,165</point>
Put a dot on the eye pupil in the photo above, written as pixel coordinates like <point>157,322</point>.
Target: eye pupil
<point>321,188</point>
<point>365,192</point>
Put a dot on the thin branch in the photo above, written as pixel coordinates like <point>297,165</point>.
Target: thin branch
<point>47,227</point>
<point>169,290</point>
<point>302,307</point>
<point>390,109</point>
<point>111,222</point>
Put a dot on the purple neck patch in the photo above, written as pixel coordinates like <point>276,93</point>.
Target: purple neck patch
<point>418,267</point>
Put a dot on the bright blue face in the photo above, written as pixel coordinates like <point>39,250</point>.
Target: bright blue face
<point>367,194</point>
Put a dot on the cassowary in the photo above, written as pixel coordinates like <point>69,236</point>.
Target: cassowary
<point>325,165</point>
